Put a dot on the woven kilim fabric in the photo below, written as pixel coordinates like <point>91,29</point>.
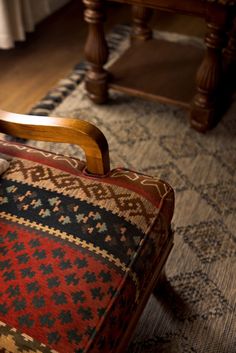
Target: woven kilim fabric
<point>74,250</point>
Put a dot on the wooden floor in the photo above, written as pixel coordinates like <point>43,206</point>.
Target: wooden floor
<point>33,67</point>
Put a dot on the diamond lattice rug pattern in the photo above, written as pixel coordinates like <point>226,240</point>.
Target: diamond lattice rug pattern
<point>195,312</point>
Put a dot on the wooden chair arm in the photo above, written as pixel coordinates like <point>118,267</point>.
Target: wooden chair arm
<point>73,131</point>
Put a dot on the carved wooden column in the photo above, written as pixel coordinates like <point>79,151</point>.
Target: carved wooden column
<point>96,51</point>
<point>205,109</point>
<point>140,16</point>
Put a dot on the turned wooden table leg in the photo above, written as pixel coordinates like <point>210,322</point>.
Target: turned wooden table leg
<point>140,17</point>
<point>205,108</point>
<point>96,52</point>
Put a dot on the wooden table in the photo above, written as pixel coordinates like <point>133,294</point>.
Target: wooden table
<point>182,74</point>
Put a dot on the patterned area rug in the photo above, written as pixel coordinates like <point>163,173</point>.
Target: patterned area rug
<point>195,312</point>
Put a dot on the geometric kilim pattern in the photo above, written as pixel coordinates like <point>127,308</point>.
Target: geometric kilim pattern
<point>210,241</point>
<point>50,290</point>
<point>73,251</point>
<point>11,340</point>
<point>221,197</point>
<point>79,219</point>
<point>209,303</point>
<point>136,209</point>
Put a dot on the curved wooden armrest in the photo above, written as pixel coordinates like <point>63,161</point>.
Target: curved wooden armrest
<point>74,131</point>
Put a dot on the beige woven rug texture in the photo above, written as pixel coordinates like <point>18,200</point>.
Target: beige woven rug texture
<point>196,312</point>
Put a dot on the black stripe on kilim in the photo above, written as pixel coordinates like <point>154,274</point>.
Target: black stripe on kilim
<point>85,225</point>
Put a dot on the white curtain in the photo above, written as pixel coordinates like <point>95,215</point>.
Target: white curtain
<point>20,16</point>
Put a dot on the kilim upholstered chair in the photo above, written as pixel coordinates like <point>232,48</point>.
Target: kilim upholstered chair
<point>81,246</point>
<point>184,74</point>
